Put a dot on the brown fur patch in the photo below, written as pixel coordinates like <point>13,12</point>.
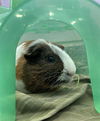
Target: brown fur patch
<point>19,68</point>
<point>39,78</point>
<point>27,43</point>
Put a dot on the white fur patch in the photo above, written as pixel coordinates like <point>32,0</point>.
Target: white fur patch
<point>38,42</point>
<point>20,51</point>
<point>20,86</point>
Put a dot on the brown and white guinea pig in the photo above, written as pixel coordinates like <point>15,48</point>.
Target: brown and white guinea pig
<point>42,66</point>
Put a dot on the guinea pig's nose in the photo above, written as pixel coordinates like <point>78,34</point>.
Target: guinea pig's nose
<point>70,74</point>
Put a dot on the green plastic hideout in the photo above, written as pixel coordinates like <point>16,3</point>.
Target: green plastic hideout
<point>83,15</point>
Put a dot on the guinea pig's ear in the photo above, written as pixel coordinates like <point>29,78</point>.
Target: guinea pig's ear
<point>60,46</point>
<point>33,54</point>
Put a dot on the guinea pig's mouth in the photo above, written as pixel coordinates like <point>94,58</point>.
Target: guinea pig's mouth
<point>60,81</point>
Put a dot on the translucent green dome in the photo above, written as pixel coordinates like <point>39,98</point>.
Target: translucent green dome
<point>49,15</point>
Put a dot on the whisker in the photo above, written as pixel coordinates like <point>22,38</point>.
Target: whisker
<point>52,75</point>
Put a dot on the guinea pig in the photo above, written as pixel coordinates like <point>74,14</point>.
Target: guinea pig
<point>42,66</point>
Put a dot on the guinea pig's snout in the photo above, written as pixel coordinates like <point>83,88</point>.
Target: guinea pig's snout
<point>66,76</point>
<point>70,74</point>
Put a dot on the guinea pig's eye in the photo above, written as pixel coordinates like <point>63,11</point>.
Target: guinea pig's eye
<point>51,59</point>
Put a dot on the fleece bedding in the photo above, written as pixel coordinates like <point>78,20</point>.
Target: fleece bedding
<point>71,102</point>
